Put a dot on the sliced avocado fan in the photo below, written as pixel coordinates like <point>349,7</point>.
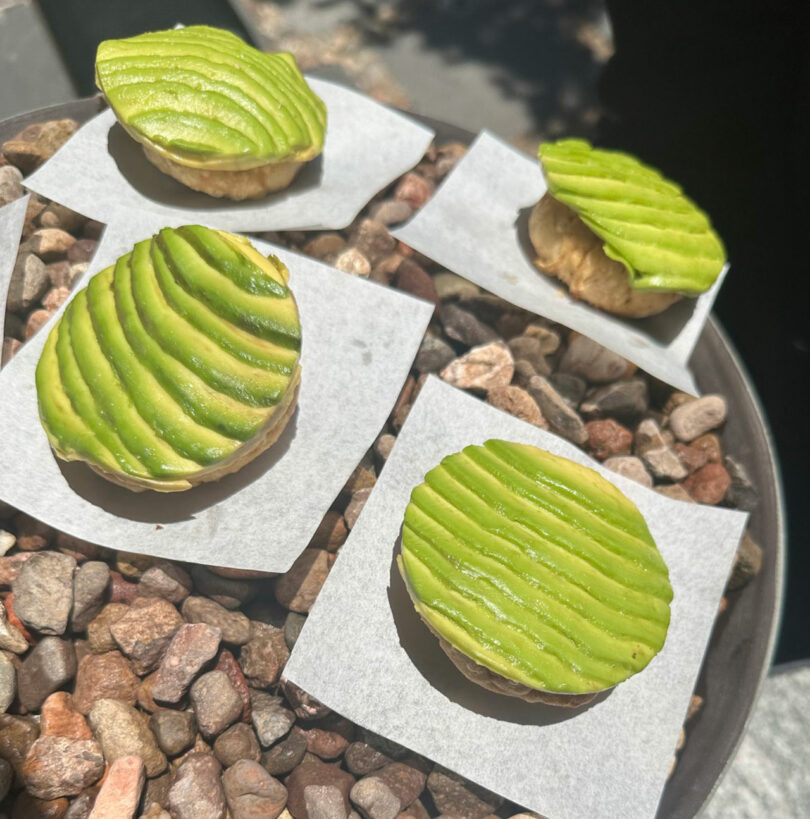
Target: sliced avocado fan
<point>646,221</point>
<point>204,98</point>
<point>536,568</point>
<point>172,359</point>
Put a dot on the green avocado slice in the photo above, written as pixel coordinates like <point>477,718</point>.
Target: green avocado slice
<point>152,402</point>
<point>176,331</point>
<point>536,568</point>
<point>114,402</point>
<point>646,222</point>
<point>205,405</point>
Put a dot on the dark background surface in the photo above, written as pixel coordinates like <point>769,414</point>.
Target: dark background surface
<point>717,95</point>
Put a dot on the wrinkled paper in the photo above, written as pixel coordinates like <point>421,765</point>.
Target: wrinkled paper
<point>477,226</point>
<point>359,341</point>
<point>364,652</point>
<point>12,220</point>
<point>367,147</point>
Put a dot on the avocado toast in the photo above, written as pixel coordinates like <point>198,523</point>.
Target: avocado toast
<point>539,577</point>
<point>176,365</point>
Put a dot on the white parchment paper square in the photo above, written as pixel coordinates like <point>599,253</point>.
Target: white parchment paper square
<point>12,220</point>
<point>359,341</point>
<point>365,653</point>
<point>477,226</point>
<point>367,146</point>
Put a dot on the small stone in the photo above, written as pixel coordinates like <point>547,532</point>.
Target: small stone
<point>8,682</point>
<point>455,796</point>
<point>674,491</point>
<point>7,541</point>
<point>412,278</point>
<point>549,339</point>
<point>98,630</point>
<point>355,507</point>
<point>35,321</point>
<point>216,702</point>
<point>315,773</point>
<point>270,718</point>
<point>28,807</point>
<point>664,464</point>
<point>405,781</point>
<point>626,400</point>
<point>304,705</point>
<point>385,270</point>
<point>55,298</point>
<point>6,775</point>
<point>630,467</point>
<point>286,755</point>
<point>81,806</point>
<point>648,436</point>
<point>11,638</point>
<point>120,590</point>
<point>352,261</point>
<point>708,485</point>
<point>252,793</point>
<point>29,283</point>
<point>10,184</point>
<point>363,476</point>
<point>175,731</point>
<point>570,387</point>
<point>362,759</point>
<point>414,190</point>
<point>166,580</point>
<point>228,592</point>
<point>434,354</point>
<point>58,216</point>
<point>607,438</point>
<point>193,645</point>
<point>450,154</point>
<point>131,564</point>
<point>76,271</point>
<point>694,418</point>
<point>374,799</point>
<point>238,742</point>
<point>46,669</point>
<point>450,286</point>
<point>227,663</point>
<point>121,792</point>
<point>416,810</point>
<point>561,418</point>
<point>43,592</point>
<point>17,735</point>
<point>325,247</point>
<point>747,563</point>
<point>50,243</point>
<point>38,142</point>
<point>324,802</point>
<point>530,348</point>
<point>741,493</point>
<point>391,212</point>
<point>691,457</point>
<point>464,326</point>
<point>82,251</point>
<point>517,402</point>
<point>373,240</point>
<point>122,731</point>
<point>145,631</point>
<point>482,368</point>
<point>593,361</point>
<point>297,589</point>
<point>233,625</point>
<point>89,586</point>
<point>329,737</point>
<point>264,655</point>
<point>60,766</point>
<point>292,628</point>
<point>15,621</point>
<point>61,718</point>
<point>524,373</point>
<point>197,790</point>
<point>710,444</point>
<point>331,532</point>
<point>59,275</point>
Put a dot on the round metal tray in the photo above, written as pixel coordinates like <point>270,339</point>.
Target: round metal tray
<point>739,654</point>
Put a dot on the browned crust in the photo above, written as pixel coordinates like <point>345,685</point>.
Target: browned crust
<point>568,249</point>
<point>251,183</point>
<point>261,441</point>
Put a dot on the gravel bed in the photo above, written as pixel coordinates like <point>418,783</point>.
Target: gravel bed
<point>154,688</point>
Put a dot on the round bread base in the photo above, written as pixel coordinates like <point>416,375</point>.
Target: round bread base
<point>252,183</point>
<point>568,249</point>
<point>251,449</point>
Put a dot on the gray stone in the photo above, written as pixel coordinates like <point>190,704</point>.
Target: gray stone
<point>664,464</point>
<point>434,354</point>
<point>237,742</point>
<point>122,731</point>
<point>193,645</point>
<point>216,702</point>
<point>286,755</point>
<point>741,493</point>
<point>50,665</point>
<point>561,418</point>
<point>43,592</point>
<point>175,731</point>
<point>362,759</point>
<point>89,586</point>
<point>374,799</point>
<point>228,592</point>
<point>197,790</point>
<point>166,580</point>
<point>61,766</point>
<point>592,361</point>
<point>269,717</point>
<point>694,418</point>
<point>631,467</point>
<point>8,683</point>
<point>264,655</point>
<point>530,348</point>
<point>11,638</point>
<point>292,628</point>
<point>570,387</point>
<point>462,325</point>
<point>624,400</point>
<point>29,283</point>
<point>252,793</point>
<point>324,802</point>
<point>233,625</point>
